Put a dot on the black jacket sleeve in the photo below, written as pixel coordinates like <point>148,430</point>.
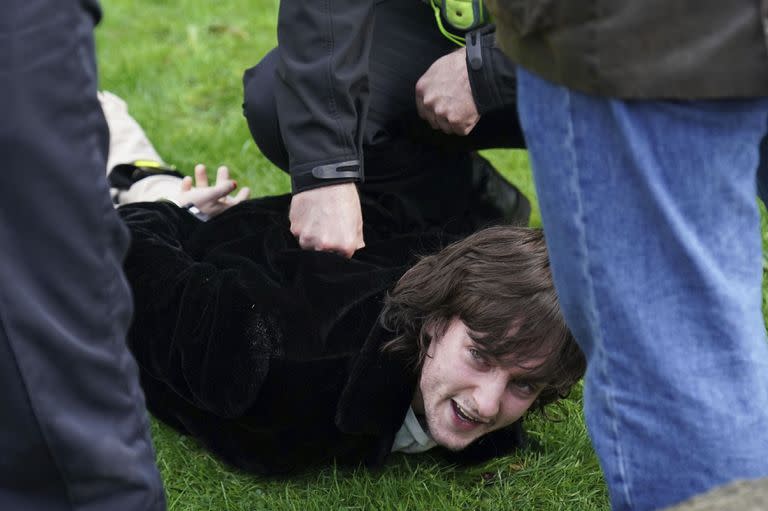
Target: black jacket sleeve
<point>493,81</point>
<point>322,88</point>
<point>201,324</point>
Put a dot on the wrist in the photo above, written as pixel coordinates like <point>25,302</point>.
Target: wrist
<point>196,212</point>
<point>481,70</point>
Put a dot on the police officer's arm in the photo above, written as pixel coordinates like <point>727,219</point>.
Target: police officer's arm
<point>322,97</point>
<point>461,86</point>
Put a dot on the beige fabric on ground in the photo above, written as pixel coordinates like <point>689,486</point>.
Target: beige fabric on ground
<point>152,188</point>
<point>129,143</point>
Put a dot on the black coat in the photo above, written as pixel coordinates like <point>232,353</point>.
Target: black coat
<point>268,354</point>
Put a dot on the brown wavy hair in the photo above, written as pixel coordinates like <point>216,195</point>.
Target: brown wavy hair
<point>498,282</point>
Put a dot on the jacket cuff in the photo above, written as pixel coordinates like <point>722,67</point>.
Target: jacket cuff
<point>491,73</point>
<point>315,175</point>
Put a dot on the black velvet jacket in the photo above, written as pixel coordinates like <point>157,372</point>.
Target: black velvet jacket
<point>267,354</point>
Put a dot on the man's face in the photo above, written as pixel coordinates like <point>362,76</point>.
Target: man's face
<point>464,396</point>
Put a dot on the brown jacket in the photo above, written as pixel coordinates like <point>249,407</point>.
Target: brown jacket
<point>677,49</point>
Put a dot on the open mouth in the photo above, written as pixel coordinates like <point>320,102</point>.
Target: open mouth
<point>459,411</point>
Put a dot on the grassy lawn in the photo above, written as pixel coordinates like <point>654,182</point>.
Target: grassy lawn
<point>179,63</point>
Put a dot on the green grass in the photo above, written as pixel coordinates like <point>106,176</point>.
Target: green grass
<point>560,472</point>
<point>178,64</point>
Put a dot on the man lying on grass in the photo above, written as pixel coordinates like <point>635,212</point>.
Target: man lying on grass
<point>276,358</point>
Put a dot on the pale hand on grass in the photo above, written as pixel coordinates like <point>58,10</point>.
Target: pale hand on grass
<point>328,219</point>
<point>211,200</point>
<point>444,96</point>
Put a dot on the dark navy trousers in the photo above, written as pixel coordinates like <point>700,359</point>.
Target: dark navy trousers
<point>73,426</point>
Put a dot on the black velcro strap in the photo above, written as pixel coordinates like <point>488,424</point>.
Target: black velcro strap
<point>123,176</point>
<point>326,174</point>
<point>343,170</point>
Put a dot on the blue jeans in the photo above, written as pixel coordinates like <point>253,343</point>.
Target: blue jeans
<point>651,220</point>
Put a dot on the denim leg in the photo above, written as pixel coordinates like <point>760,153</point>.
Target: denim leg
<point>73,426</point>
<point>650,215</point>
<point>762,172</point>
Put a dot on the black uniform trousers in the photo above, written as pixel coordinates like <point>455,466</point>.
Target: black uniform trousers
<point>401,151</point>
<point>73,426</point>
